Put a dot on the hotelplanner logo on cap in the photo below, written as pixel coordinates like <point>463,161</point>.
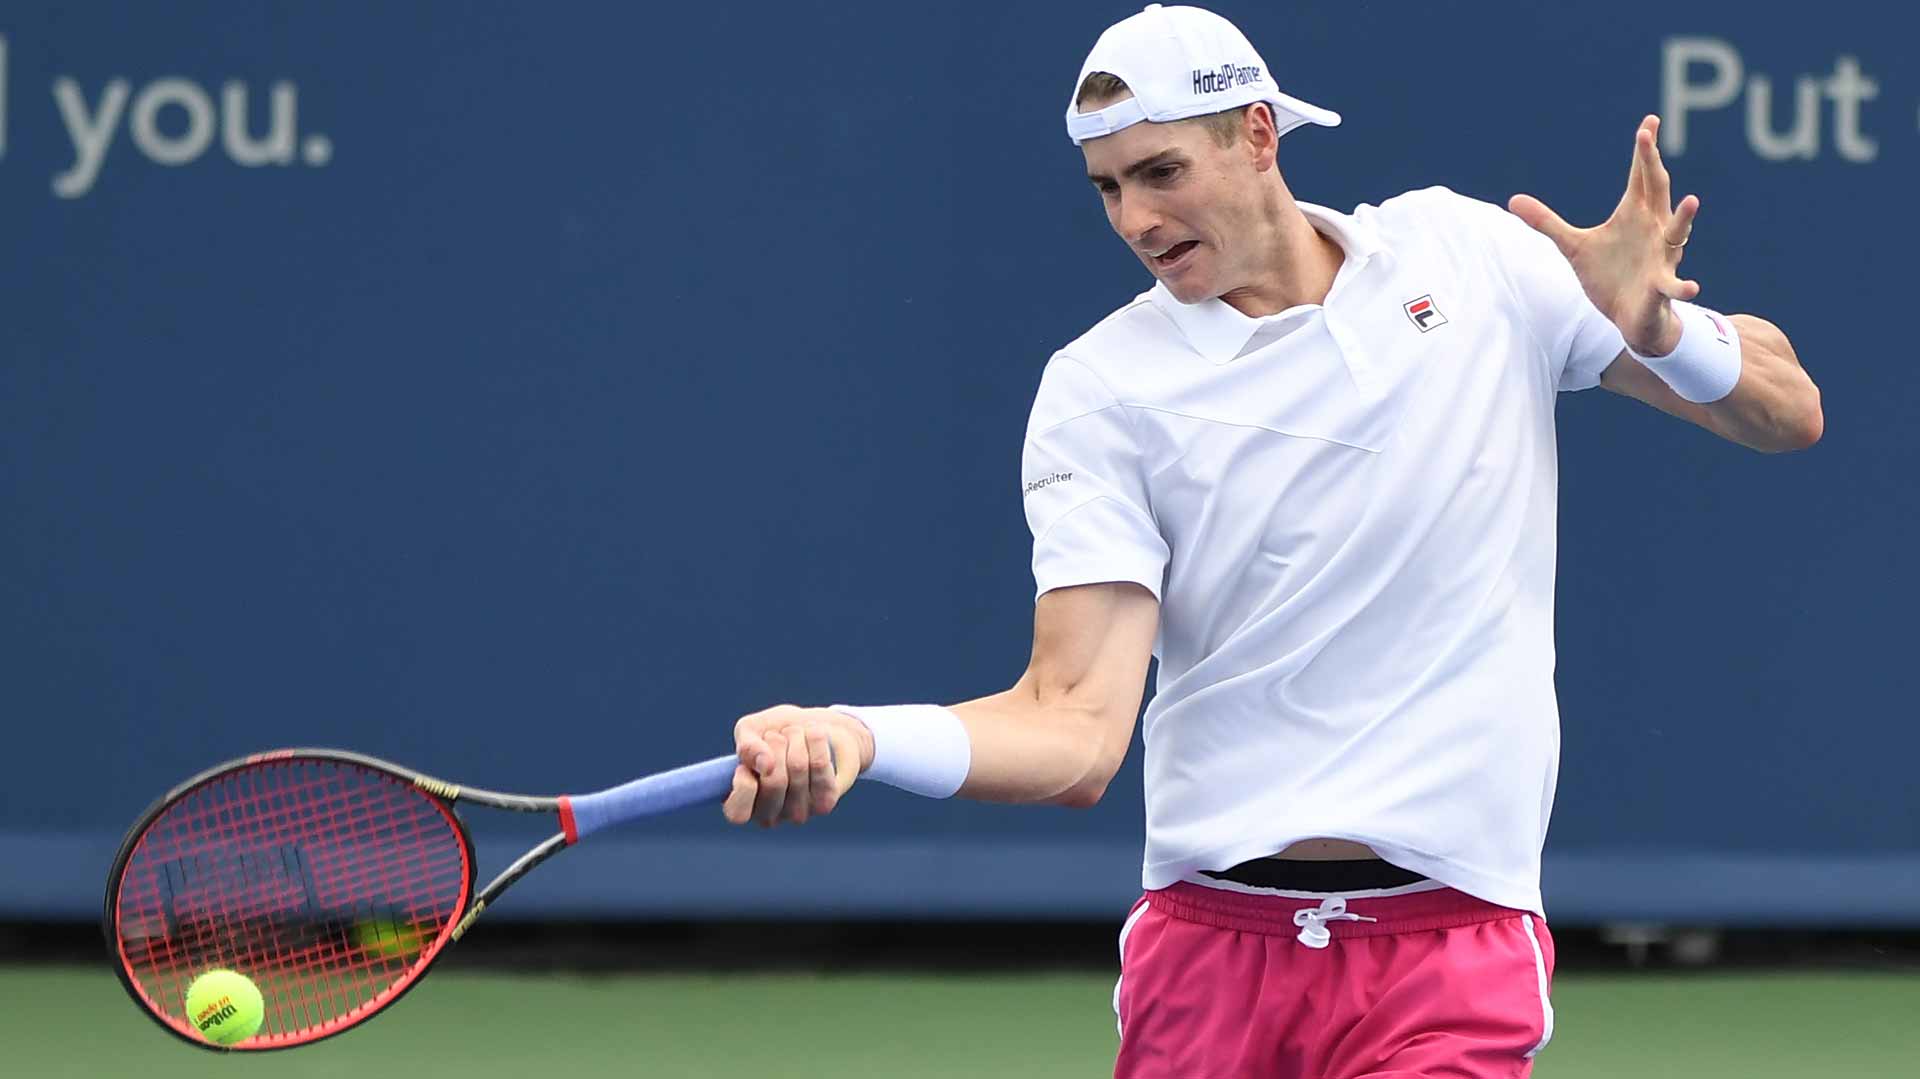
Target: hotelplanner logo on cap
<point>1181,62</point>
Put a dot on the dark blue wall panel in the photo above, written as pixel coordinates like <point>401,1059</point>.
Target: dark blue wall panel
<point>585,378</point>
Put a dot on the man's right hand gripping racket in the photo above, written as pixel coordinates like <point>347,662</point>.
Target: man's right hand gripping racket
<point>331,880</point>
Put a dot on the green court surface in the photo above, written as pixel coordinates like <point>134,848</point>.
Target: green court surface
<point>74,1021</point>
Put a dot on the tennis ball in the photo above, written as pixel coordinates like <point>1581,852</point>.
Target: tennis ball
<point>384,936</point>
<point>225,1006</point>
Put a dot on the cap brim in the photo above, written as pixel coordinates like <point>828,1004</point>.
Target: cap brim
<point>1303,112</point>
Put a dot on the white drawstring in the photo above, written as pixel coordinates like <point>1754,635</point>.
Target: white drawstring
<point>1313,921</point>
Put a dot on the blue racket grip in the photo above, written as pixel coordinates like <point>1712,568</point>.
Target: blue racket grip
<point>581,815</point>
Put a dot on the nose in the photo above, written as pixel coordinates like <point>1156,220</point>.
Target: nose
<point>1134,218</point>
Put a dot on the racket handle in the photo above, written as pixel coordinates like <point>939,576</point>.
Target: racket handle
<point>662,792</point>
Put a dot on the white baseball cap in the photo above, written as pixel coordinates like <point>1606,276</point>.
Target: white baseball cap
<point>1181,62</point>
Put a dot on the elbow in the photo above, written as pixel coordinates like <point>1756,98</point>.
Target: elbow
<point>1098,766</point>
<point>1083,797</point>
<point>1802,427</point>
<point>1797,419</point>
<point>1091,788</point>
<point>1814,426</point>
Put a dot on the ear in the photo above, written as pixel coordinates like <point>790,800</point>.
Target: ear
<point>1261,135</point>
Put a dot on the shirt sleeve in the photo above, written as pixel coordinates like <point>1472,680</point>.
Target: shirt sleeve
<point>1580,341</point>
<point>1084,487</point>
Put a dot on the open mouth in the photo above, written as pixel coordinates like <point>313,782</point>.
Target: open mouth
<point>1175,253</point>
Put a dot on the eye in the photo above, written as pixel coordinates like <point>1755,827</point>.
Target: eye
<point>1107,187</point>
<point>1163,173</point>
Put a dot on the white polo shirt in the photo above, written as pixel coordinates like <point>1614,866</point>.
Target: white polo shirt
<point>1347,512</point>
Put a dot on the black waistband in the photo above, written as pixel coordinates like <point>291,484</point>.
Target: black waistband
<point>1303,876</point>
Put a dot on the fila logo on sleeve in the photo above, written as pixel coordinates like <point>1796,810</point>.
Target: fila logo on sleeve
<point>1424,314</point>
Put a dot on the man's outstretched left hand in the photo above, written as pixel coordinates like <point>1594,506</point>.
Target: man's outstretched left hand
<point>1628,265</point>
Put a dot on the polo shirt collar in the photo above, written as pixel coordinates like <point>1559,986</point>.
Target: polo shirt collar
<point>1219,332</point>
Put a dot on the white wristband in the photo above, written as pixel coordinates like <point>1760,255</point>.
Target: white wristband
<point>1705,365</point>
<point>920,748</point>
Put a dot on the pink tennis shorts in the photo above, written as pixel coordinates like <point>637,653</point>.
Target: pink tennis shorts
<point>1412,982</point>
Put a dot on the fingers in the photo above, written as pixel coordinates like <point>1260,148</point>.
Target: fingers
<point>1648,176</point>
<point>752,750</point>
<point>799,775</point>
<point>1543,220</point>
<point>1637,169</point>
<point>773,782</point>
<point>794,764</point>
<point>749,740</point>
<point>738,808</point>
<point>812,783</point>
<point>1681,227</point>
<point>1674,288</point>
<point>821,781</point>
<point>1675,236</point>
<point>846,758</point>
<point>1653,170</point>
<point>762,750</point>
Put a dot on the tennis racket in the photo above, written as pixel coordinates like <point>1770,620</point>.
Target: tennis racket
<point>332,880</point>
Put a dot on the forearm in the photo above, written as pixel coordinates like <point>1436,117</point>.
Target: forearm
<point>1058,735</point>
<point>1775,407</point>
<point>1027,751</point>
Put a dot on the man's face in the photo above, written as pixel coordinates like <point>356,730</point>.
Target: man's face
<point>1186,206</point>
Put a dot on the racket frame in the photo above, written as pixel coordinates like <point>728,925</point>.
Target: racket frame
<point>444,794</point>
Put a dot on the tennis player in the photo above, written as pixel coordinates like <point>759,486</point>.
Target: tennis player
<point>1313,471</point>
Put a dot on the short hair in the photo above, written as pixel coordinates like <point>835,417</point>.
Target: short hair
<point>1102,88</point>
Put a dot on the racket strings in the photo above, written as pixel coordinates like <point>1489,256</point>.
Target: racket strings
<point>328,884</point>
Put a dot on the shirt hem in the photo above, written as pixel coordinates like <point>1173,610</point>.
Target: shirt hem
<point>1477,883</point>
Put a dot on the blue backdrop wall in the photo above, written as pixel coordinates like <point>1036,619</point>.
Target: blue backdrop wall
<point>525,393</point>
